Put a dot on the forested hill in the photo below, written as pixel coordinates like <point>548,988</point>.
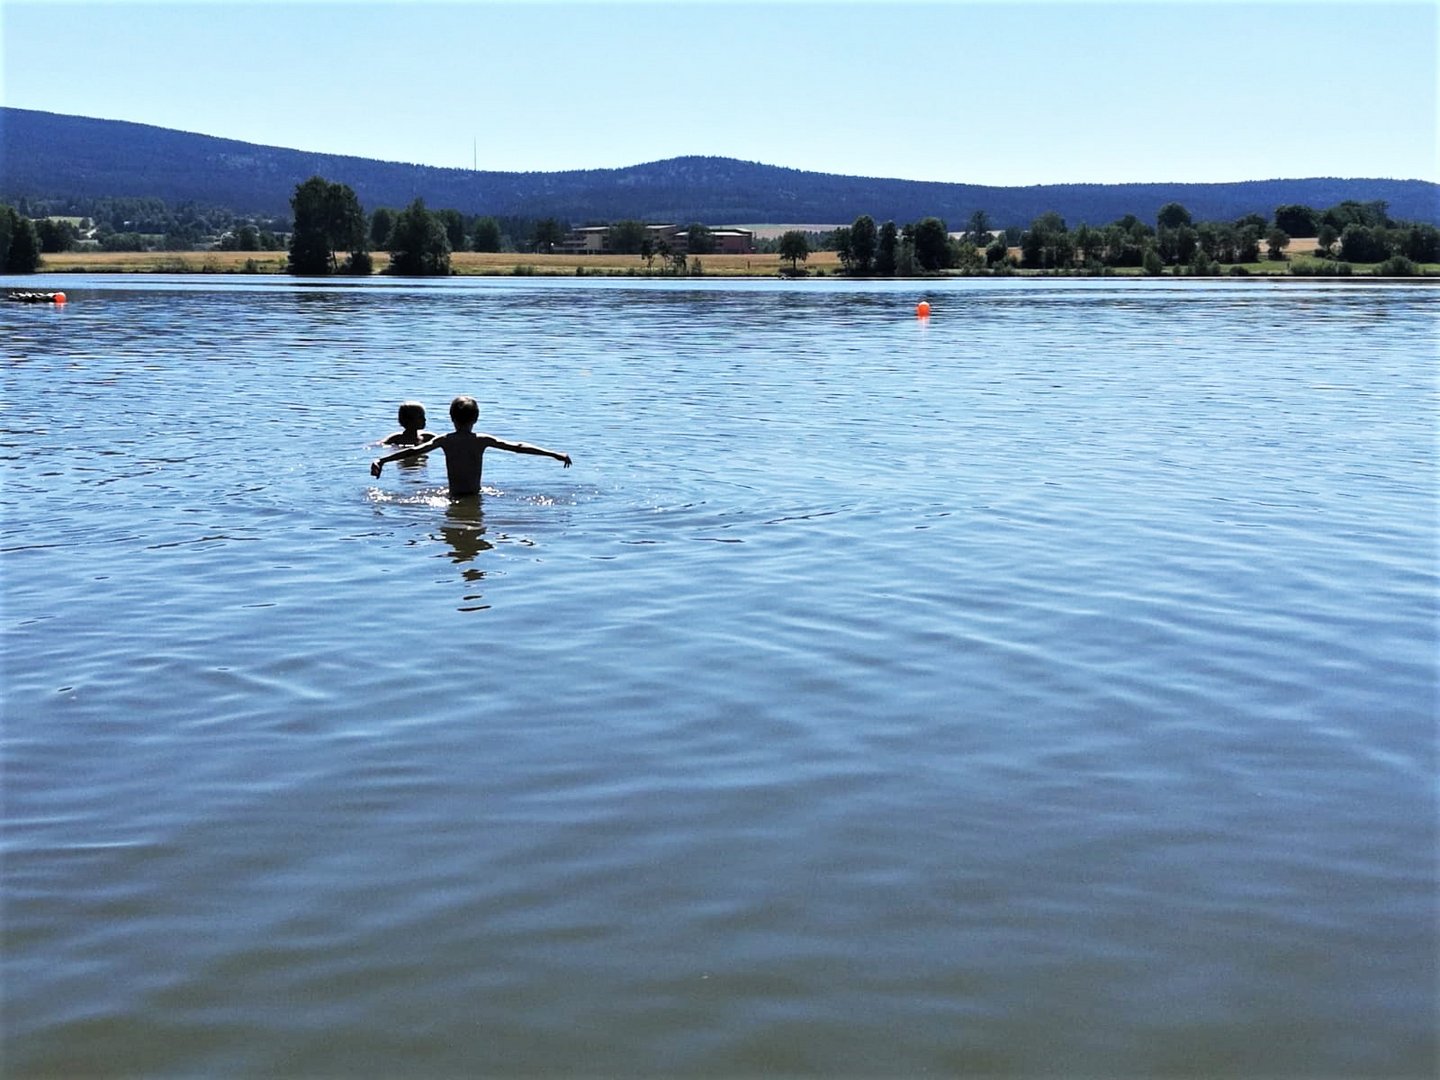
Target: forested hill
<point>50,156</point>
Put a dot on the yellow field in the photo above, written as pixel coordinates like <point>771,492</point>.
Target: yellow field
<point>462,262</point>
<point>476,264</point>
<point>162,262</point>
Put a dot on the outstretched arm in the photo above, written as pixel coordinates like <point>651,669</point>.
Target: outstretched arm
<point>526,448</point>
<point>408,452</point>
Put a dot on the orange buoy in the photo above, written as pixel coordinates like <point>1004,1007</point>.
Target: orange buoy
<point>922,309</point>
<point>59,298</point>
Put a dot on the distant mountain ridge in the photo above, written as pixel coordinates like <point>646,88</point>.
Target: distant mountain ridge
<point>50,155</point>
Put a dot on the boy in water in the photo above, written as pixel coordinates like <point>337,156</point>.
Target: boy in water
<point>412,420</point>
<point>465,450</point>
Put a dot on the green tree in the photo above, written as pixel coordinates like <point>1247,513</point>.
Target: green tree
<point>932,245</point>
<point>1421,244</point>
<point>1045,245</point>
<point>863,238</point>
<point>1187,242</point>
<point>21,243</point>
<point>548,232</point>
<point>997,252</point>
<point>1171,216</point>
<point>886,249</point>
<point>1247,244</point>
<point>977,231</point>
<point>487,234</point>
<point>1293,219</point>
<point>627,236</point>
<point>844,249</point>
<point>56,235</point>
<point>1089,245</point>
<point>419,245</point>
<point>795,247</point>
<point>1276,241</point>
<point>328,219</point>
<point>1152,262</point>
<point>698,240</point>
<point>454,228</point>
<point>1361,243</point>
<point>1124,246</point>
<point>1373,215</point>
<point>7,230</point>
<point>381,222</point>
<point>1325,237</point>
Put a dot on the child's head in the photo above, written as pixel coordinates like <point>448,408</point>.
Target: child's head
<point>464,411</point>
<point>412,415</point>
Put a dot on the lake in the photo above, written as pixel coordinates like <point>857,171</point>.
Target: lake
<point>1047,687</point>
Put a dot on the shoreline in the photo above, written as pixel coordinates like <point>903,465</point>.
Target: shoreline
<point>823,264</point>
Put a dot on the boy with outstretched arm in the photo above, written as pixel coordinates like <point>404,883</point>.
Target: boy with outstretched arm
<point>465,450</point>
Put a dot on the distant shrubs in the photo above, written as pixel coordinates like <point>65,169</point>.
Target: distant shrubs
<point>1322,269</point>
<point>359,263</point>
<point>1397,266</point>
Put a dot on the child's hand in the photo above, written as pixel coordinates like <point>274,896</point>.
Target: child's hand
<point>375,467</point>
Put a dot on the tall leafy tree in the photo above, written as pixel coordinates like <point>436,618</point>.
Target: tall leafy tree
<point>795,247</point>
<point>1296,220</point>
<point>1046,244</point>
<point>1276,241</point>
<point>887,249</point>
<point>548,232</point>
<point>487,234</point>
<point>978,229</point>
<point>932,244</point>
<point>1361,243</point>
<point>863,239</point>
<point>1421,244</point>
<point>381,222</point>
<point>20,243</point>
<point>454,228</point>
<point>843,247</point>
<point>419,245</point>
<point>328,218</point>
<point>1172,215</point>
<point>56,235</point>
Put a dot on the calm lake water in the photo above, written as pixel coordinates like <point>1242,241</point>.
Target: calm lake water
<point>1048,687</point>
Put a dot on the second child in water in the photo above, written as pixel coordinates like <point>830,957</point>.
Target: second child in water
<point>465,450</point>
<point>412,424</point>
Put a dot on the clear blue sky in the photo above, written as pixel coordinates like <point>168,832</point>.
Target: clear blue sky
<point>1017,92</point>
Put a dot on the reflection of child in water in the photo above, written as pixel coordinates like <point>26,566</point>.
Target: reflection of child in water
<point>412,419</point>
<point>465,450</point>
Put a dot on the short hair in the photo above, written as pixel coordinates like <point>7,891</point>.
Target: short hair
<point>464,407</point>
<point>412,414</point>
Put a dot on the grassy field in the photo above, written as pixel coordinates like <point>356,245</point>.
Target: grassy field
<point>461,262</point>
<point>468,263</point>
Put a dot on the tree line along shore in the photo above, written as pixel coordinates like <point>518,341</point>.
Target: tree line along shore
<point>330,233</point>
